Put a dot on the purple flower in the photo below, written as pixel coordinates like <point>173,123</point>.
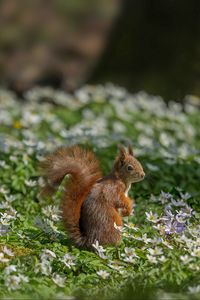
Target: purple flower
<point>169,217</point>
<point>168,211</point>
<point>178,203</point>
<point>174,227</point>
<point>169,228</point>
<point>179,227</point>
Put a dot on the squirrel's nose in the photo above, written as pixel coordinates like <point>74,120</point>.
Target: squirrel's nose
<point>142,174</point>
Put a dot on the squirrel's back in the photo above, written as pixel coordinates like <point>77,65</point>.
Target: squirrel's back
<point>98,214</point>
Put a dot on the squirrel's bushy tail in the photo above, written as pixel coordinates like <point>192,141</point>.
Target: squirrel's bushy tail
<point>84,171</point>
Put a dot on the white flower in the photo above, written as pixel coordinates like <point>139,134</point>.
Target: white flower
<point>130,259</point>
<point>82,96</point>
<point>10,198</point>
<point>195,231</point>
<point>3,165</point>
<point>194,289</point>
<point>59,280</point>
<point>186,259</point>
<point>24,278</point>
<point>68,260</point>
<point>165,197</point>
<point>3,190</point>
<point>6,218</point>
<point>129,252</point>
<point>162,258</point>
<point>131,226</point>
<point>52,225</point>
<point>178,203</point>
<point>2,258</point>
<point>13,158</point>
<point>127,235</point>
<point>46,257</point>
<point>45,267</point>
<point>9,269</point>
<point>52,212</point>
<point>30,143</point>
<point>129,255</point>
<point>156,240</point>
<point>144,140</point>
<point>30,183</point>
<point>153,168</point>
<point>196,252</point>
<point>120,228</point>
<point>156,251</point>
<point>118,127</point>
<point>145,239</point>
<point>194,267</point>
<point>12,282</point>
<point>152,217</point>
<point>100,249</point>
<point>160,227</point>
<point>170,161</point>
<point>103,274</point>
<point>115,265</point>
<point>152,259</point>
<point>166,139</point>
<point>136,237</point>
<point>7,251</point>
<point>47,254</point>
<point>181,218</point>
<point>188,211</point>
<point>185,196</point>
<point>153,198</point>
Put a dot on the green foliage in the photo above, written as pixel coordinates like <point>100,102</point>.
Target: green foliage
<point>37,260</point>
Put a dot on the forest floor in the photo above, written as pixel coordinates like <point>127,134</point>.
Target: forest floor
<point>159,257</point>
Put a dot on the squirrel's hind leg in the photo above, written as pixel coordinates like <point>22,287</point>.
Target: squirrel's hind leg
<point>115,236</point>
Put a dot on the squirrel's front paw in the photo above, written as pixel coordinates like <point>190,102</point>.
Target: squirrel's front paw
<point>127,211</point>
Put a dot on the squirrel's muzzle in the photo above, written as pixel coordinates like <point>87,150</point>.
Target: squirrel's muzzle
<point>142,175</point>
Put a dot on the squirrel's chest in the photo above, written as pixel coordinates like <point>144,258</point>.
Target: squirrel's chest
<point>127,190</point>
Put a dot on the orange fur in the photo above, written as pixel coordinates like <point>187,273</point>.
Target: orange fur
<point>127,205</point>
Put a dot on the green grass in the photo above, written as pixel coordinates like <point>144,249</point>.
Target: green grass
<point>149,263</point>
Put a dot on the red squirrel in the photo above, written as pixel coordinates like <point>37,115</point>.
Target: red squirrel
<point>91,202</point>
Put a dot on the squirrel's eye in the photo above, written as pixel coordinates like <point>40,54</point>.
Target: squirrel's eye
<point>130,168</point>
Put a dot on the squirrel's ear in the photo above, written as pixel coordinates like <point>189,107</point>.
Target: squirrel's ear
<point>130,150</point>
<point>122,153</point>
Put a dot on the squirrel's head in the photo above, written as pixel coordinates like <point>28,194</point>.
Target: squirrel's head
<point>128,167</point>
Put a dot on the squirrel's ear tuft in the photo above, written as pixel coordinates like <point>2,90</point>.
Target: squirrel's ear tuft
<point>130,150</point>
<point>122,154</point>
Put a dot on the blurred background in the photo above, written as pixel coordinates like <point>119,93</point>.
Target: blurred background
<point>149,45</point>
